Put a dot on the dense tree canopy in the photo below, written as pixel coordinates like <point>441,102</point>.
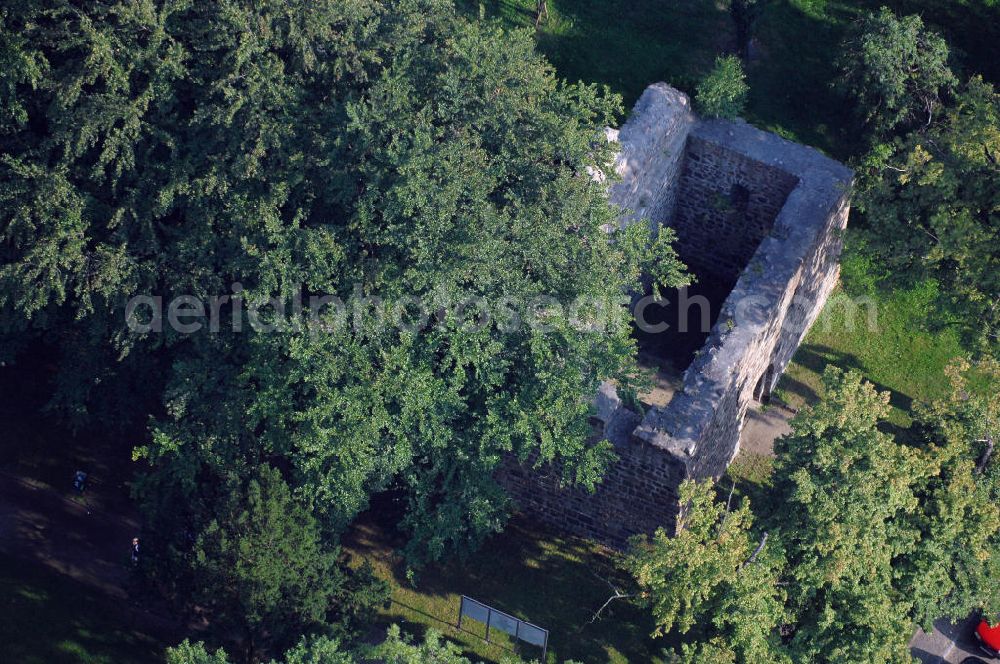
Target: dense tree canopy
<point>931,204</point>
<point>395,649</point>
<point>711,579</point>
<point>391,157</point>
<point>259,569</point>
<point>338,148</point>
<point>847,495</point>
<point>382,221</point>
<point>956,568</point>
<point>896,70</point>
<point>868,536</point>
<point>928,187</point>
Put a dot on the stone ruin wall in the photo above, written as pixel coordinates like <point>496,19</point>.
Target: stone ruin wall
<point>726,205</point>
<point>674,169</point>
<point>638,495</point>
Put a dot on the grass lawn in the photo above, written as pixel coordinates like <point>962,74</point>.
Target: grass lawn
<point>896,353</point>
<point>47,618</point>
<point>550,581</point>
<point>624,44</point>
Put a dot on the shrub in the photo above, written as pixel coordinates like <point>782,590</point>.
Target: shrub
<point>723,93</point>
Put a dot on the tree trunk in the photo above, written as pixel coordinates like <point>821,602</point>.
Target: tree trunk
<point>541,13</point>
<point>987,455</point>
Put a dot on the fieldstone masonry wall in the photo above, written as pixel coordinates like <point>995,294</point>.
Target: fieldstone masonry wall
<point>748,206</point>
<point>726,205</point>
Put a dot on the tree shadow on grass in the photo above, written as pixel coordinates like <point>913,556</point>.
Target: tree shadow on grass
<point>624,44</point>
<point>816,358</point>
<point>39,444</point>
<point>552,581</point>
<point>47,618</point>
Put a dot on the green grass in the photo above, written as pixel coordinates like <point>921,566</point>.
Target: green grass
<point>47,618</point>
<point>628,44</point>
<point>553,582</point>
<point>896,352</point>
<point>625,45</point>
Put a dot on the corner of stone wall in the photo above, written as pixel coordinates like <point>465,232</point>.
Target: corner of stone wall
<point>652,150</point>
<point>770,309</point>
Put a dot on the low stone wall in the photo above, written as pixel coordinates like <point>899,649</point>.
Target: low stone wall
<point>786,257</point>
<point>638,495</point>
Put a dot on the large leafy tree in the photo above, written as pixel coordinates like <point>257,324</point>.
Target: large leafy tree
<point>868,536</point>
<point>342,147</point>
<point>712,579</point>
<point>259,568</point>
<point>955,569</point>
<point>927,189</point>
<point>847,495</point>
<point>932,210</point>
<point>317,650</point>
<point>896,70</point>
<point>397,648</point>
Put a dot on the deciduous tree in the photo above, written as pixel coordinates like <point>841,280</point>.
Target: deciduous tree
<point>259,567</point>
<point>896,71</point>
<point>868,535</point>
<point>712,578</point>
<point>930,202</point>
<point>343,148</point>
<point>723,93</point>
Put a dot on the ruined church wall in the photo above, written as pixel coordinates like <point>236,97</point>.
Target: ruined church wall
<point>726,205</point>
<point>652,153</point>
<point>772,307</point>
<point>819,278</point>
<point>776,299</point>
<point>785,278</point>
<point>638,495</point>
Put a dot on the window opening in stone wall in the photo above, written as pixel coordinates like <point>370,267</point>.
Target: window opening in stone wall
<point>739,200</point>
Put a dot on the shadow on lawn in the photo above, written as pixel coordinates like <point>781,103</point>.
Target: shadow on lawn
<point>624,44</point>
<point>792,74</point>
<point>551,581</point>
<point>47,618</point>
<point>37,439</point>
<point>629,44</point>
<point>816,358</point>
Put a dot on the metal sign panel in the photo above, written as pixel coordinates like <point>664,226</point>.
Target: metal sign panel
<point>474,610</point>
<point>503,622</point>
<point>493,619</point>
<point>536,636</point>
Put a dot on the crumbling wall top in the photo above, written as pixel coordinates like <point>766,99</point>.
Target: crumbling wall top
<point>820,195</point>
<point>652,150</point>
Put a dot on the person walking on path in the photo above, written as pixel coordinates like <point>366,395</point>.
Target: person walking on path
<point>80,481</point>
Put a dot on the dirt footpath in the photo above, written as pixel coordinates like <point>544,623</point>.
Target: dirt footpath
<point>68,533</point>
